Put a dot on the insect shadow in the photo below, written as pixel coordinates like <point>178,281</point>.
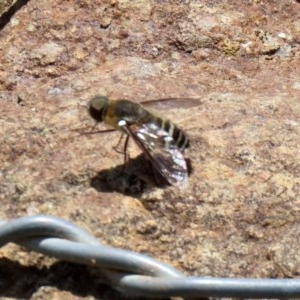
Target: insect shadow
<point>133,178</point>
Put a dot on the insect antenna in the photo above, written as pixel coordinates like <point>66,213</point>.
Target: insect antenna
<point>92,132</point>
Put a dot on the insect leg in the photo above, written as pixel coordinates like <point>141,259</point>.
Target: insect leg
<point>126,156</point>
<point>124,151</point>
<point>93,128</point>
<point>116,148</point>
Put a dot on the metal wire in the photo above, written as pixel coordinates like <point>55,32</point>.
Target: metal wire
<point>132,273</point>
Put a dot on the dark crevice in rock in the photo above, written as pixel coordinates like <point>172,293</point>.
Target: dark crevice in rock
<point>5,18</point>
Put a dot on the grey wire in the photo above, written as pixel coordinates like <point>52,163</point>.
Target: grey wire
<point>37,226</point>
<point>212,287</point>
<point>132,273</point>
<point>61,239</point>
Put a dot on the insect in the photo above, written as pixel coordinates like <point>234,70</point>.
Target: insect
<point>161,141</point>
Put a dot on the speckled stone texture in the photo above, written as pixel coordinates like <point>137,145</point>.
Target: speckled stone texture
<point>239,215</point>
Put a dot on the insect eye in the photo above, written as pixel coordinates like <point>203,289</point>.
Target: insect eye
<point>98,102</point>
<point>97,107</point>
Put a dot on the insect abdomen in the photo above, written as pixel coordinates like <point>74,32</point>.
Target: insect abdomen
<point>179,137</point>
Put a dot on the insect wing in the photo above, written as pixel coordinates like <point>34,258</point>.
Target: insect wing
<point>171,103</point>
<point>162,151</point>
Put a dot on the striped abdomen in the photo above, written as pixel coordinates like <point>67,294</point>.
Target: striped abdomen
<point>179,137</point>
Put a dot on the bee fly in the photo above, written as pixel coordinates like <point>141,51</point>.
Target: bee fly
<point>160,140</point>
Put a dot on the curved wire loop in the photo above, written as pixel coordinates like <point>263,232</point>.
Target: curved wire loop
<point>130,272</point>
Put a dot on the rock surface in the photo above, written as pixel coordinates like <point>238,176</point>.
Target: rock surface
<point>239,215</point>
